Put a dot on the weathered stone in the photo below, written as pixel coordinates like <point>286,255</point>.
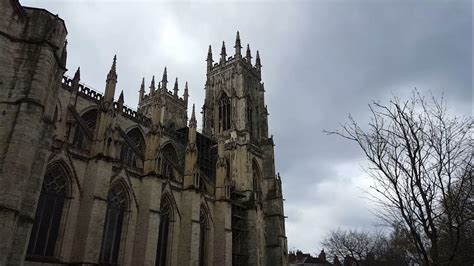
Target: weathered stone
<point>224,199</point>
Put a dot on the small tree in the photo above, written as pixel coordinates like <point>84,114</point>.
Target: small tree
<point>421,163</point>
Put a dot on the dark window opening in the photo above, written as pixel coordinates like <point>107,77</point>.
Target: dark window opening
<point>163,233</point>
<point>224,113</point>
<point>203,239</point>
<point>113,224</point>
<point>48,213</point>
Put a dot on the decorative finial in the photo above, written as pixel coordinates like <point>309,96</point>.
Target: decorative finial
<point>248,55</point>
<point>209,59</point>
<point>223,52</point>
<point>192,121</point>
<point>114,64</point>
<point>152,85</point>
<point>237,46</point>
<point>175,89</point>
<point>164,80</point>
<point>113,73</point>
<point>209,52</point>
<point>186,94</point>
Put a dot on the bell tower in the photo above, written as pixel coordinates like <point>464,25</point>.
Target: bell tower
<point>234,112</point>
<point>235,95</point>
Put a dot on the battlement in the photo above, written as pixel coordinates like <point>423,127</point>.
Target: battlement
<point>231,60</point>
<point>226,62</point>
<point>167,93</point>
<point>96,97</point>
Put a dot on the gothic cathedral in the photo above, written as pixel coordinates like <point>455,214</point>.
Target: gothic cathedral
<point>86,180</point>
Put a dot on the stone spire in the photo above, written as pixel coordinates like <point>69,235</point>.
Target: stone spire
<point>111,82</point>
<point>152,85</point>
<point>237,46</point>
<point>209,59</point>
<point>192,121</point>
<point>175,89</point>
<point>248,56</point>
<point>186,93</point>
<point>141,92</point>
<point>258,64</point>
<point>191,179</point>
<point>223,53</point>
<point>164,80</point>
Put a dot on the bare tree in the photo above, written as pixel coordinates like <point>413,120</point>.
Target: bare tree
<point>421,163</point>
<point>358,245</point>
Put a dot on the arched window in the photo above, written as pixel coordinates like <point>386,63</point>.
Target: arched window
<point>81,139</point>
<point>116,205</point>
<point>203,238</point>
<point>48,213</point>
<point>163,233</point>
<point>169,162</point>
<point>128,154</point>
<point>224,113</point>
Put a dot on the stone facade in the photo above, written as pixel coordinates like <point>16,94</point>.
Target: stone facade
<point>86,180</point>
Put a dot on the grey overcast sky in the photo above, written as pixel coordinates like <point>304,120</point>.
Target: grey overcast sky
<point>321,61</point>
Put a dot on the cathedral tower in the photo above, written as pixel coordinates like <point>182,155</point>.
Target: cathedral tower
<point>173,109</point>
<point>234,112</point>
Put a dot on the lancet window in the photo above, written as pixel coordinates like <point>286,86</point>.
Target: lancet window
<point>224,113</point>
<point>203,238</point>
<point>164,233</point>
<point>113,225</point>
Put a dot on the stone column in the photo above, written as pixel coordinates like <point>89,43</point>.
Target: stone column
<point>222,233</point>
<point>146,236</point>
<point>90,223</point>
<point>32,62</point>
<point>189,231</point>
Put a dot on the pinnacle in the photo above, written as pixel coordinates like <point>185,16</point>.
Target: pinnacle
<point>114,64</point>
<point>165,76</point>
<point>112,72</point>
<point>223,48</point>
<point>176,87</point>
<point>77,75</point>
<point>237,39</point>
<point>142,86</point>
<point>193,116</point>
<point>120,99</point>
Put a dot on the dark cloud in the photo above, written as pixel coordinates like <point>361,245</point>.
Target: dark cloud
<point>321,61</point>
